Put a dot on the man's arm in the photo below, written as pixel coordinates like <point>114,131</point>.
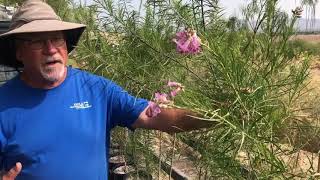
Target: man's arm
<point>171,120</point>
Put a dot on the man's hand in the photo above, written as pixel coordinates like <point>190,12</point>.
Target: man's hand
<point>172,120</point>
<point>13,173</point>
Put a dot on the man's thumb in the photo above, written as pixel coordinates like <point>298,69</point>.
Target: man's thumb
<point>13,173</point>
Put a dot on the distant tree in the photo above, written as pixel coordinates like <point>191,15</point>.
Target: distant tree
<point>62,7</point>
<point>235,24</point>
<point>310,6</point>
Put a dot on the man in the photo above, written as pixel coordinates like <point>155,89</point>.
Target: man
<point>55,120</point>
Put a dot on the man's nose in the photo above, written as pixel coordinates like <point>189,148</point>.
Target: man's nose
<point>49,48</point>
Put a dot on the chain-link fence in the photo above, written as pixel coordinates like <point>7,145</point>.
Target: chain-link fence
<point>6,73</point>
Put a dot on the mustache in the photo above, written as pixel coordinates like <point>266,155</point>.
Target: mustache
<point>51,59</point>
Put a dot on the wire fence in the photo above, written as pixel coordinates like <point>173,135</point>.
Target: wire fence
<point>6,73</point>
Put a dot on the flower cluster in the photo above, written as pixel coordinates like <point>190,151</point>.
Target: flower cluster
<point>297,12</point>
<point>164,100</point>
<point>187,42</point>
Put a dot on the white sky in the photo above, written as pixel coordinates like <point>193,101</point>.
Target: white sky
<point>232,7</point>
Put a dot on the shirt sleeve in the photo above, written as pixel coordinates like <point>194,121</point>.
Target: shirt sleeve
<point>124,108</point>
<point>2,144</point>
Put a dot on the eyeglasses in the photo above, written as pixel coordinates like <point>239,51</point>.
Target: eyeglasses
<point>41,43</point>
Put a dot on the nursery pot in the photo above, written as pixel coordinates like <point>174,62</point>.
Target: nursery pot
<point>129,173</point>
<point>116,161</point>
<point>4,26</point>
<point>121,172</point>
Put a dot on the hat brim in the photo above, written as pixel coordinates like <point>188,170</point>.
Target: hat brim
<point>43,26</point>
<point>73,32</point>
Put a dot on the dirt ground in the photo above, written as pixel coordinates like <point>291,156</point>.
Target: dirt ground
<point>307,160</point>
<point>313,38</point>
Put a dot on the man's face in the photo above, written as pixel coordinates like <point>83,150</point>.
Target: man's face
<point>44,55</point>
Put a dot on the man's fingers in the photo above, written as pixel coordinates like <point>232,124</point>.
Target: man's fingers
<point>149,112</point>
<point>13,173</point>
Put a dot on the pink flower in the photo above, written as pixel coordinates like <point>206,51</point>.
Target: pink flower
<point>161,98</point>
<point>173,84</point>
<point>194,46</point>
<point>187,42</point>
<point>178,88</point>
<point>175,91</point>
<point>153,109</point>
<point>182,35</point>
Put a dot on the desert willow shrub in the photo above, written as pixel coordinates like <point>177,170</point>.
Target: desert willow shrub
<point>245,81</point>
<point>250,81</point>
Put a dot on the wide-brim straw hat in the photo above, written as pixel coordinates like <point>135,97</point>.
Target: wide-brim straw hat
<point>35,16</point>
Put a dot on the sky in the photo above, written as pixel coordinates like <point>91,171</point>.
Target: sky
<point>232,7</point>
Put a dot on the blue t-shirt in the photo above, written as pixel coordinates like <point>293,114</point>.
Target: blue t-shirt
<point>62,133</point>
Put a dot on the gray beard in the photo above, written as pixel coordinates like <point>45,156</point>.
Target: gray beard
<point>53,74</point>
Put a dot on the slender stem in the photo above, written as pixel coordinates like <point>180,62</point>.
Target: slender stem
<point>160,151</point>
<point>174,146</point>
<point>125,133</point>
<point>202,13</point>
<point>154,10</point>
<point>318,170</point>
<point>194,15</point>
